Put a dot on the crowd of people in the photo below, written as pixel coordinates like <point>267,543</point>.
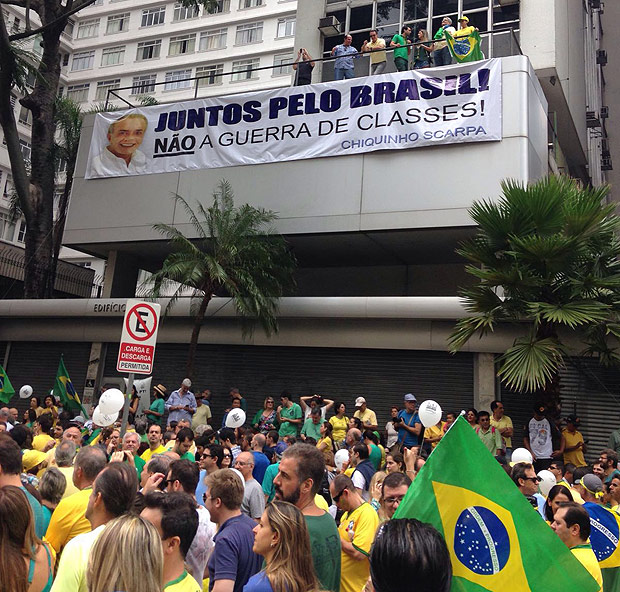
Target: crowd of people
<point>419,51</point>
<point>299,498</point>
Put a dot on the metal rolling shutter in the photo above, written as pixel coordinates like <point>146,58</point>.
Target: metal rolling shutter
<point>36,363</point>
<point>381,376</point>
<point>588,390</point>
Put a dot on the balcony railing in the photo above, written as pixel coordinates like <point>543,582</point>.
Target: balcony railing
<point>494,44</point>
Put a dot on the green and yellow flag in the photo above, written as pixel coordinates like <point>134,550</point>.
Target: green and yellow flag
<point>497,541</point>
<point>465,49</point>
<point>6,388</point>
<point>65,391</point>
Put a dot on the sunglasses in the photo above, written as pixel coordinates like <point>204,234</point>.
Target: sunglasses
<point>533,479</point>
<point>337,497</point>
<point>393,500</point>
<point>207,456</point>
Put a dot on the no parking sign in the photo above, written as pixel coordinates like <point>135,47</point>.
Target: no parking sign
<point>139,337</point>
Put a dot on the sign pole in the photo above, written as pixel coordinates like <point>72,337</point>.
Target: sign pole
<point>127,404</point>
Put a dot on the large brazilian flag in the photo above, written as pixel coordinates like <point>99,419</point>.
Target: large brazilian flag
<point>465,49</point>
<point>497,541</point>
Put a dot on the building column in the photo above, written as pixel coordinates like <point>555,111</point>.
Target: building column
<point>484,381</point>
<point>121,276</point>
<point>96,364</point>
<point>307,34</point>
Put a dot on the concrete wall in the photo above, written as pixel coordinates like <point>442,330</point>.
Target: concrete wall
<point>418,188</point>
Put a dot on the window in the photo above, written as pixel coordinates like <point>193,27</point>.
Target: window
<point>182,44</point>
<point>213,74</point>
<point>65,59</point>
<point>149,50</point>
<point>286,27</point>
<point>282,64</point>
<point>175,79</point>
<point>250,33</point>
<point>219,7</point>
<point>69,28</point>
<point>83,60</point>
<point>13,100</point>
<point>113,56</point>
<point>182,13</point>
<point>21,233</point>
<point>143,84</point>
<point>88,28</point>
<point>242,69</point>
<point>26,148</point>
<point>153,16</point>
<point>213,39</point>
<point>117,23</point>
<point>37,45</point>
<point>8,186</point>
<point>96,3</point>
<point>16,25</point>
<point>249,3</point>
<point>25,116</point>
<point>78,92</point>
<point>103,86</point>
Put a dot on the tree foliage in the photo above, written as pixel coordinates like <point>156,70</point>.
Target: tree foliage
<point>236,253</point>
<point>546,257</point>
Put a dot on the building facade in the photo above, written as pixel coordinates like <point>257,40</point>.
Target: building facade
<point>374,233</point>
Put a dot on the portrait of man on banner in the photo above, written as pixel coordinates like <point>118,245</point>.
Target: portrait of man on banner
<point>122,155</point>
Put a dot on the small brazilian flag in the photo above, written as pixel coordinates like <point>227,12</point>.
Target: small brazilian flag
<point>65,391</point>
<point>6,388</point>
<point>465,49</point>
<point>497,541</point>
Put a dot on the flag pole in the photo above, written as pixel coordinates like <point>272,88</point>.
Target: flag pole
<point>130,378</point>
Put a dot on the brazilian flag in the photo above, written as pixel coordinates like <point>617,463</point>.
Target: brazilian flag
<point>604,537</point>
<point>6,388</point>
<point>497,541</point>
<point>65,391</point>
<point>465,49</point>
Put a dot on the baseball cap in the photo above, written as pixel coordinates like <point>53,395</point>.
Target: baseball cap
<point>359,401</point>
<point>592,483</point>
<point>573,419</point>
<point>410,397</point>
<point>463,18</point>
<point>540,408</point>
<point>78,419</point>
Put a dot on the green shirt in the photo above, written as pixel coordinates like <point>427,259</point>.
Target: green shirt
<point>139,466</point>
<point>375,456</point>
<point>158,406</point>
<point>292,412</point>
<point>401,52</point>
<point>311,429</point>
<point>325,549</point>
<point>189,456</point>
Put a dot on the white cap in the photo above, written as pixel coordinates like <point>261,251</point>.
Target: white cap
<point>359,401</point>
<point>187,382</point>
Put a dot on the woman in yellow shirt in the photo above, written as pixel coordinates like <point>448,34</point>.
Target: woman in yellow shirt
<point>340,423</point>
<point>325,443</point>
<point>49,406</point>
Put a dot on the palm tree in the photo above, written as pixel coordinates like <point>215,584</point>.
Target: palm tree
<point>546,257</point>
<point>236,253</point>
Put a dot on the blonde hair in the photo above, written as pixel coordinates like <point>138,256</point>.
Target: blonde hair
<point>127,556</point>
<point>290,569</point>
<point>424,34</point>
<point>130,116</point>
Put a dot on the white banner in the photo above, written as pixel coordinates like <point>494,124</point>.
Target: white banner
<point>428,107</point>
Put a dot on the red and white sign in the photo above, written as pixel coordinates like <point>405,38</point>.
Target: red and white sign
<point>137,347</point>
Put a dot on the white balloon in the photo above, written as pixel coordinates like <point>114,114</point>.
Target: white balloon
<point>341,457</point>
<point>547,482</point>
<point>521,455</point>
<point>111,401</point>
<point>235,418</point>
<point>26,392</point>
<point>103,419</point>
<point>430,413</point>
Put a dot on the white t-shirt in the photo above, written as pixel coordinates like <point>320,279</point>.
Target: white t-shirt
<point>309,410</point>
<point>360,483</point>
<point>202,545</point>
<point>539,433</point>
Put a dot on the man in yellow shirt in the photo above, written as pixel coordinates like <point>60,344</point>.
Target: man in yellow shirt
<point>574,447</point>
<point>44,441</point>
<point>376,46</point>
<point>571,522</point>
<point>155,446</point>
<point>365,415</point>
<point>357,532</point>
<point>465,30</point>
<point>69,517</point>
<point>503,423</point>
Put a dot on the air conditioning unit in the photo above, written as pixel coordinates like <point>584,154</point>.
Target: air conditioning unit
<point>592,119</point>
<point>606,164</point>
<point>604,112</point>
<point>601,57</point>
<point>330,26</point>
